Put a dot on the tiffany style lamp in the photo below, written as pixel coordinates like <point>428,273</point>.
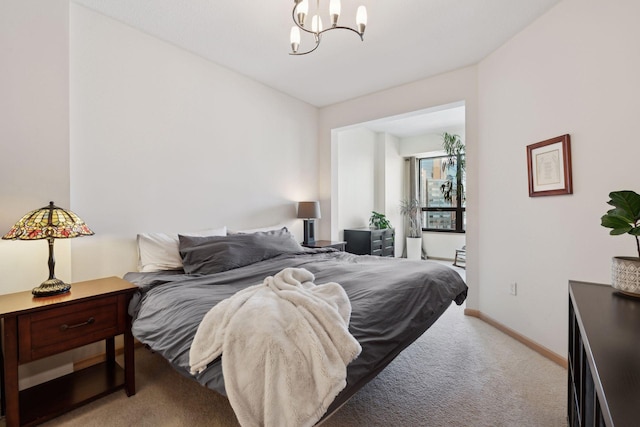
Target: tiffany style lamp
<point>49,222</point>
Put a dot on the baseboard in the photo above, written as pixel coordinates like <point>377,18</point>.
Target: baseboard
<point>551,355</point>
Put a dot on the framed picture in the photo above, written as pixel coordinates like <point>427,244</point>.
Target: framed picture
<point>549,164</point>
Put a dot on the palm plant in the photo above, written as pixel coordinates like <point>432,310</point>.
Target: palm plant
<point>410,208</point>
<point>454,147</point>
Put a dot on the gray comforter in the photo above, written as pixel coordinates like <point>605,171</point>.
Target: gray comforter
<point>393,302</point>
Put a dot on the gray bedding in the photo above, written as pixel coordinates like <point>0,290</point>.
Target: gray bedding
<point>393,302</point>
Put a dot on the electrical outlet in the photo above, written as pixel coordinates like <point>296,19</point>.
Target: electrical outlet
<point>513,288</point>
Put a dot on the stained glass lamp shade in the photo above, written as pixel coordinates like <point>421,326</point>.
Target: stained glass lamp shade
<point>49,222</point>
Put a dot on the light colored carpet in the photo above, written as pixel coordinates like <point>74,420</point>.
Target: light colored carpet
<point>461,372</point>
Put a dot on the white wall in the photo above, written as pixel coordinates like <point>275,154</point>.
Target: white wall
<point>575,70</point>
<point>162,140</point>
<point>393,175</point>
<point>440,245</point>
<point>34,138</point>
<point>460,85</point>
<point>357,178</point>
<point>34,132</point>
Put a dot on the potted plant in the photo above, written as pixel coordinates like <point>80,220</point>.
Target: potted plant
<point>379,221</point>
<point>410,209</point>
<point>625,219</point>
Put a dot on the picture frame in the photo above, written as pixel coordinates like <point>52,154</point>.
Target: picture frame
<point>549,167</point>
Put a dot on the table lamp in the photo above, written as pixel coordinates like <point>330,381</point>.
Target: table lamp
<point>310,211</point>
<point>49,222</point>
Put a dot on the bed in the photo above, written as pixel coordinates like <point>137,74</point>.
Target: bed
<point>393,301</point>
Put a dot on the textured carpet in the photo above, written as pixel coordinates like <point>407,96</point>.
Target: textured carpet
<point>461,372</point>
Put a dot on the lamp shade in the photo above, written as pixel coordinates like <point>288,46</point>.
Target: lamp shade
<point>309,210</point>
<point>49,222</point>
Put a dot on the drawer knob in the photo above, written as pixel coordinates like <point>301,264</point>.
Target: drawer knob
<point>89,321</point>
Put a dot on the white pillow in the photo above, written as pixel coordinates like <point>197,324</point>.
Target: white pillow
<point>159,251</point>
<point>260,229</point>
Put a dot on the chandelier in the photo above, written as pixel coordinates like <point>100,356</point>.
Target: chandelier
<point>300,12</point>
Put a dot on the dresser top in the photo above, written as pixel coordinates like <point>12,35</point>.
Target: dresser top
<point>19,302</point>
<point>610,325</point>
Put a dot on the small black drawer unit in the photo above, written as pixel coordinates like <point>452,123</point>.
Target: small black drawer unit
<point>366,241</point>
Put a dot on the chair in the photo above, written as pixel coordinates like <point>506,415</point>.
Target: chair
<point>461,257</point>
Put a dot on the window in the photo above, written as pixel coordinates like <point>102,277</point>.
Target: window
<point>441,196</point>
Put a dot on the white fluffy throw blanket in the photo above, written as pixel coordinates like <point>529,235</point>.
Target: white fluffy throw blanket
<point>285,348</point>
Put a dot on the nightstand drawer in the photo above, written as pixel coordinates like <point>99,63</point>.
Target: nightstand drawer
<point>53,331</point>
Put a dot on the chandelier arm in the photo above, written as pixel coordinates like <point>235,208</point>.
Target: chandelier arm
<point>309,51</point>
<point>293,16</point>
<point>318,33</point>
<point>361,35</point>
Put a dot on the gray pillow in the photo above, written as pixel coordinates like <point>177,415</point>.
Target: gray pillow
<point>214,254</point>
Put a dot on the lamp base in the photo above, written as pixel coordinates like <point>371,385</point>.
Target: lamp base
<point>51,287</point>
<point>309,232</point>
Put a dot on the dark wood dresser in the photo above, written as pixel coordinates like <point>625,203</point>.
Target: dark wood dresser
<point>604,357</point>
<point>366,241</point>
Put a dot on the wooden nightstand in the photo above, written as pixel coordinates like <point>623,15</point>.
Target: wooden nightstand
<point>38,327</point>
<point>326,244</point>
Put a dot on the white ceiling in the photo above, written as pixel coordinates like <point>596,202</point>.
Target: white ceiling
<point>444,118</point>
<point>405,40</point>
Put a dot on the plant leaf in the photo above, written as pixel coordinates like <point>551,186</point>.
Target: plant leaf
<point>621,213</point>
<point>619,224</point>
<point>628,201</point>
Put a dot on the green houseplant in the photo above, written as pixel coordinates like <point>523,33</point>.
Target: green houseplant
<point>410,209</point>
<point>624,218</point>
<point>379,221</point>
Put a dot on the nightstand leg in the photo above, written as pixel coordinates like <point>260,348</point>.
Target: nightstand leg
<point>129,361</point>
<point>3,401</point>
<point>110,351</point>
<point>11,393</point>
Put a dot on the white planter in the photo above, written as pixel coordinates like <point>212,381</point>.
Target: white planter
<point>625,275</point>
<point>414,247</point>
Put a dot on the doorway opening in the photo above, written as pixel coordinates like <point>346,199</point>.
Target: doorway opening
<point>371,172</point>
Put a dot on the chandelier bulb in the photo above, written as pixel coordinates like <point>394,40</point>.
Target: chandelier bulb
<point>295,38</point>
<point>361,19</point>
<point>302,7</point>
<point>300,15</point>
<point>316,24</point>
<point>334,11</point>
